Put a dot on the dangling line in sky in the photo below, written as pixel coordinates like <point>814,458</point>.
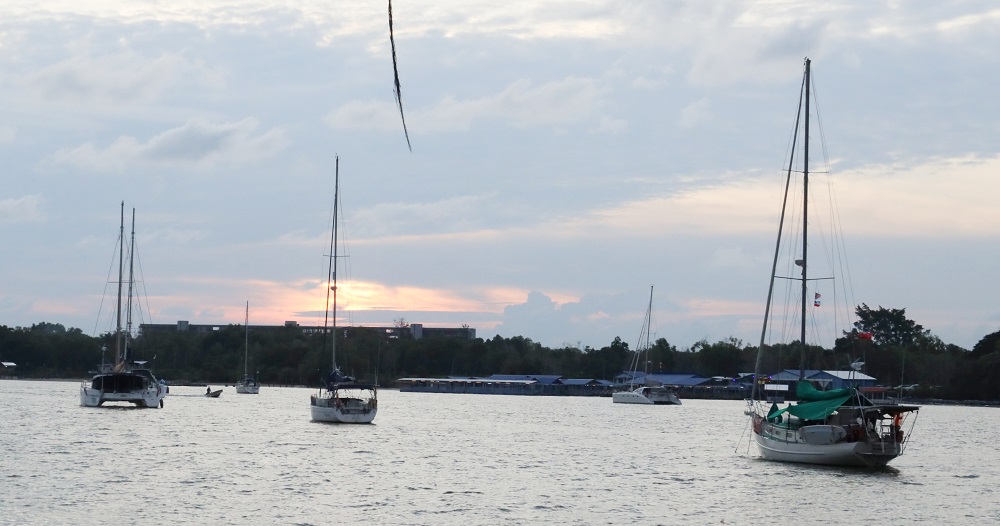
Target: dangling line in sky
<point>395,71</point>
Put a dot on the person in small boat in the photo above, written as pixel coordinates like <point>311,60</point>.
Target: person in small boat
<point>208,389</point>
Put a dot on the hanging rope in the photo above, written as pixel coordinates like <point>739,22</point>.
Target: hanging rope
<point>395,72</point>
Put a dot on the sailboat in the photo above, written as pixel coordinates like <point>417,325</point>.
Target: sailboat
<point>125,380</point>
<point>248,384</point>
<point>648,392</point>
<point>342,399</point>
<point>838,427</point>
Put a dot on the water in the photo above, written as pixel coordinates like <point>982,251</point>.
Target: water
<point>454,459</point>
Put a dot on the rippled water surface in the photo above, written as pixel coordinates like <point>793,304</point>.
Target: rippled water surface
<point>459,459</point>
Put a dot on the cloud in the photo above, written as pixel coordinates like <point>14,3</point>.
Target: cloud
<point>196,144</point>
<point>695,114</point>
<point>522,104</point>
<point>123,77</point>
<point>876,200</point>
<point>21,210</point>
<point>454,214</point>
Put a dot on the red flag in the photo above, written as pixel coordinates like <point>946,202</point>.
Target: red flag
<point>865,335</point>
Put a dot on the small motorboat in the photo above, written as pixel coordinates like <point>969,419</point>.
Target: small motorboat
<point>213,394</point>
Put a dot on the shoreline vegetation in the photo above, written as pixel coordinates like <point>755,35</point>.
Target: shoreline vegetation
<point>896,351</point>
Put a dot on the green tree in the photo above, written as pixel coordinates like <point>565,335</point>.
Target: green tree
<point>888,326</point>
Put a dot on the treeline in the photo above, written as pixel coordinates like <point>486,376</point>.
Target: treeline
<point>895,350</point>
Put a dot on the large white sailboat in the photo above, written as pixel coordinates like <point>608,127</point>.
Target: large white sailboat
<point>248,384</point>
<point>837,427</point>
<point>124,380</point>
<point>644,392</point>
<point>343,399</point>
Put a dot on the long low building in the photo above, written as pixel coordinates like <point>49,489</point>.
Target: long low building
<point>535,385</point>
<point>415,331</point>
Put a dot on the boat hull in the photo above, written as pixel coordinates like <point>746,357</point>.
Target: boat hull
<point>786,445</point>
<point>646,396</point>
<point>630,397</point>
<point>136,389</point>
<point>247,389</point>
<point>343,409</point>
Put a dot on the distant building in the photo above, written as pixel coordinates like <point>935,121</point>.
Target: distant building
<point>508,384</point>
<point>825,379</point>
<point>415,331</point>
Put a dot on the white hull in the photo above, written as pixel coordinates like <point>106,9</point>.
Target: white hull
<point>247,389</point>
<point>343,410</point>
<point>151,396</point>
<point>630,397</point>
<point>646,396</point>
<point>787,445</point>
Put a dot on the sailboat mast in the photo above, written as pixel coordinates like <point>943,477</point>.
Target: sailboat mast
<point>649,321</point>
<point>336,202</point>
<point>131,281</point>
<point>805,226</point>
<point>246,340</point>
<point>121,267</point>
<point>331,280</point>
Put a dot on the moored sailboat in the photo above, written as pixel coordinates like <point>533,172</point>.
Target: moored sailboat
<point>837,427</point>
<point>124,380</point>
<point>342,399</point>
<point>248,384</point>
<point>645,392</point>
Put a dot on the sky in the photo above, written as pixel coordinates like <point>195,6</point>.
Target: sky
<point>566,156</point>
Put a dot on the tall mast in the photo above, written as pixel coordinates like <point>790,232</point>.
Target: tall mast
<point>332,271</point>
<point>649,321</point>
<point>805,227</point>
<point>119,359</point>
<point>131,281</point>
<point>246,339</point>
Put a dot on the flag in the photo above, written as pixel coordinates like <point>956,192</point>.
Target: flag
<point>816,300</point>
<point>865,335</point>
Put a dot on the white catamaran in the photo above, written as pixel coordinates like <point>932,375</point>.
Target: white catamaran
<point>248,384</point>
<point>645,392</point>
<point>125,380</point>
<point>837,427</point>
<point>343,399</point>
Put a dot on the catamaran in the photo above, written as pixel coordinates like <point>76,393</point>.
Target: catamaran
<point>124,380</point>
<point>645,392</point>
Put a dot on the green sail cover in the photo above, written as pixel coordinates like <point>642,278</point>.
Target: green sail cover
<point>814,404</point>
<point>805,392</point>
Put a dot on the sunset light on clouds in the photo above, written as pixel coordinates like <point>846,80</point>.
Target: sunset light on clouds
<point>566,156</point>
